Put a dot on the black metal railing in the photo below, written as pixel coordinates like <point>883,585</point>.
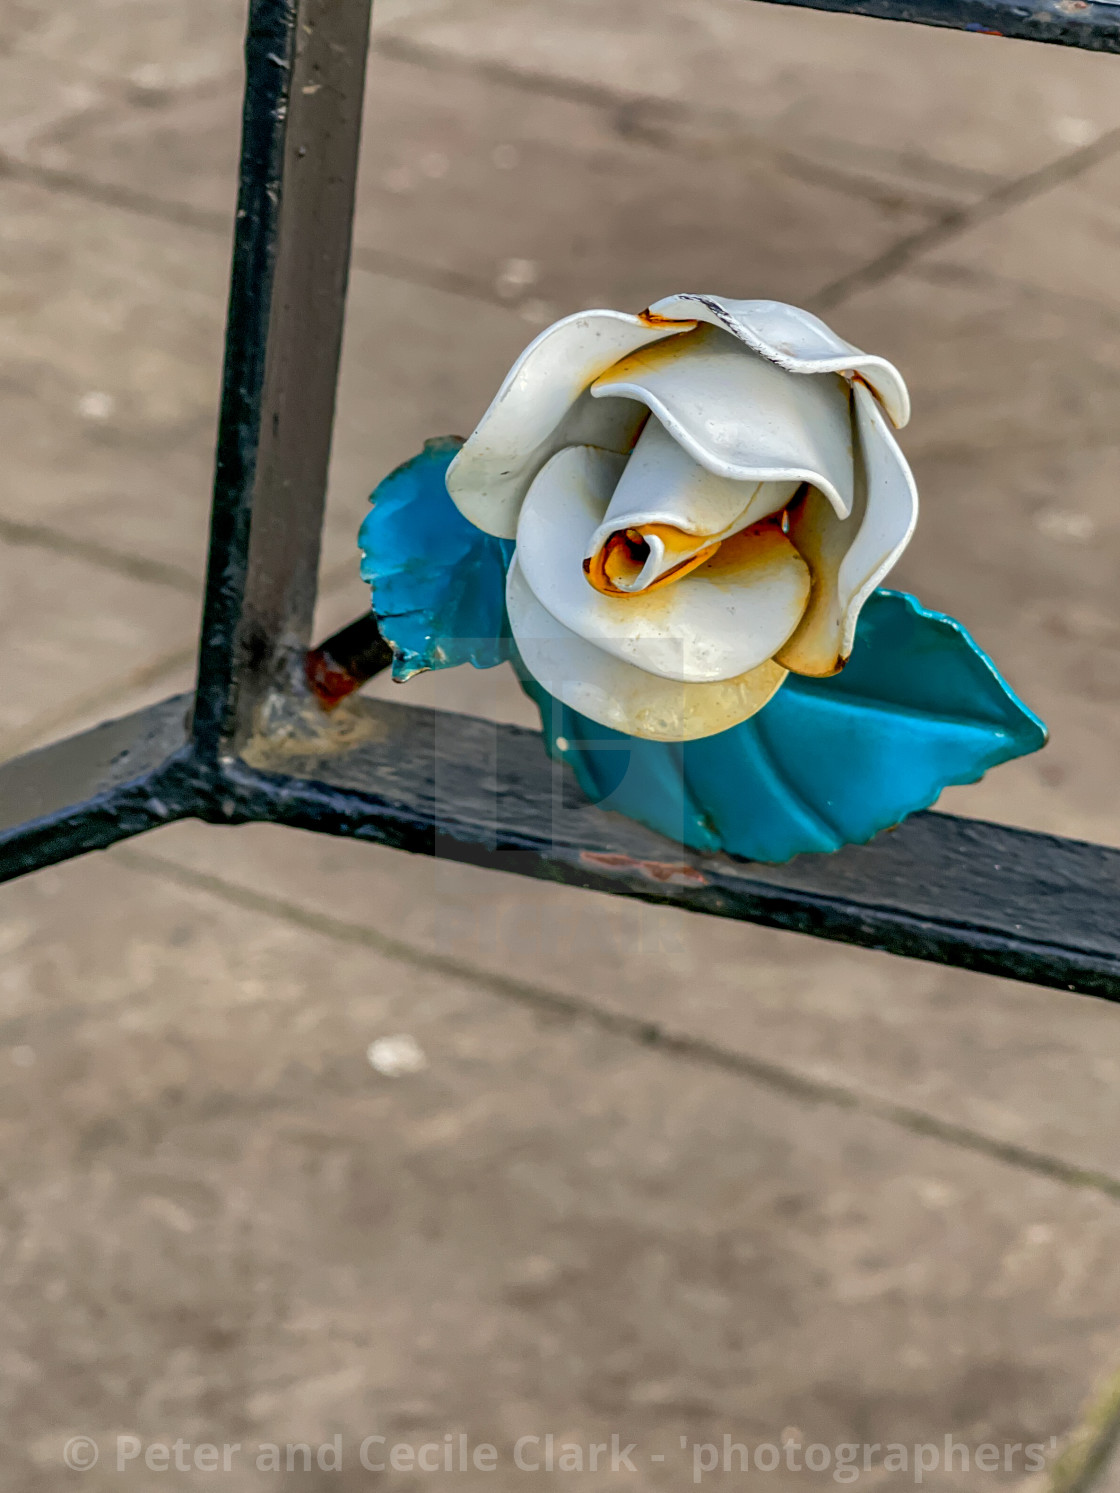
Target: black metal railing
<point>264,736</point>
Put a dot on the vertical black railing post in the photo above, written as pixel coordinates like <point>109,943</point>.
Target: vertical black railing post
<point>305,65</point>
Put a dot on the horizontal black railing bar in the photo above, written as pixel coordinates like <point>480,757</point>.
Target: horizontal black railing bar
<point>1066,23</point>
<point>955,891</point>
<point>107,784</point>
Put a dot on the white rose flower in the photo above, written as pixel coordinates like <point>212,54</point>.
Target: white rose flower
<point>703,497</point>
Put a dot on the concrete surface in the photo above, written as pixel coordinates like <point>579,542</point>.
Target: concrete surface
<point>654,1176</point>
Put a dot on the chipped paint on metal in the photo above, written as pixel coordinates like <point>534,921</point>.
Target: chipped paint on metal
<point>668,873</point>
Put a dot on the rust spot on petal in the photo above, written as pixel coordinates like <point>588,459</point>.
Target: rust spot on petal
<point>651,319</point>
<point>752,548</point>
<point>669,873</point>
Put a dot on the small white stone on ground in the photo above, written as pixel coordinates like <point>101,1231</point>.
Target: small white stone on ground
<point>96,405</point>
<point>393,1057</point>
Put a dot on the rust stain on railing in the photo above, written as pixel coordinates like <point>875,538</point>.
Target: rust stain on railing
<point>669,873</point>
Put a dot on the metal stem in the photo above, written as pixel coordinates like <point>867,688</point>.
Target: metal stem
<point>346,661</point>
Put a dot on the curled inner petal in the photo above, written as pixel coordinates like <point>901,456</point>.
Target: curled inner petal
<point>668,514</point>
<point>726,616</point>
<point>641,559</point>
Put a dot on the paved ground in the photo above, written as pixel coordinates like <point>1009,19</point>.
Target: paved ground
<point>852,1200</point>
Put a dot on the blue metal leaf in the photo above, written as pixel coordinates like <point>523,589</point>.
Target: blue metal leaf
<point>437,582</point>
<point>825,763</point>
<point>828,761</point>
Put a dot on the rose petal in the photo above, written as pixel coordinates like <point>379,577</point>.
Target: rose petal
<point>718,622</point>
<point>541,408</point>
<point>795,340</point>
<point>616,694</point>
<point>848,558</point>
<point>661,484</point>
<point>740,416</point>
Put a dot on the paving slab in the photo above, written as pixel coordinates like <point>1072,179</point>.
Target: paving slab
<point>222,1224</point>
<point>1021,1065</point>
<point>171,671</point>
<point>172,148</point>
<point>153,45</point>
<point>73,632</point>
<point>464,176</point>
<point>529,198</point>
<point>918,105</point>
<point>113,328</point>
<point>1064,241</point>
<point>586,214</point>
<point>37,95</point>
<point>112,332</point>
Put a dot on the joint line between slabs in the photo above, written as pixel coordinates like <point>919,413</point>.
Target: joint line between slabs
<point>1010,194</point>
<point>137,567</point>
<point>623,109</point>
<point>207,220</point>
<point>108,557</point>
<point>942,230</point>
<point>632,1029</point>
<point>27,738</point>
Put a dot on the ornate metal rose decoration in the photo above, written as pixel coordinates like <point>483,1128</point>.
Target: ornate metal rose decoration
<point>675,526</point>
<point>702,498</point>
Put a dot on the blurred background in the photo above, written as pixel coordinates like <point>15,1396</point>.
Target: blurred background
<point>305,1140</point>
